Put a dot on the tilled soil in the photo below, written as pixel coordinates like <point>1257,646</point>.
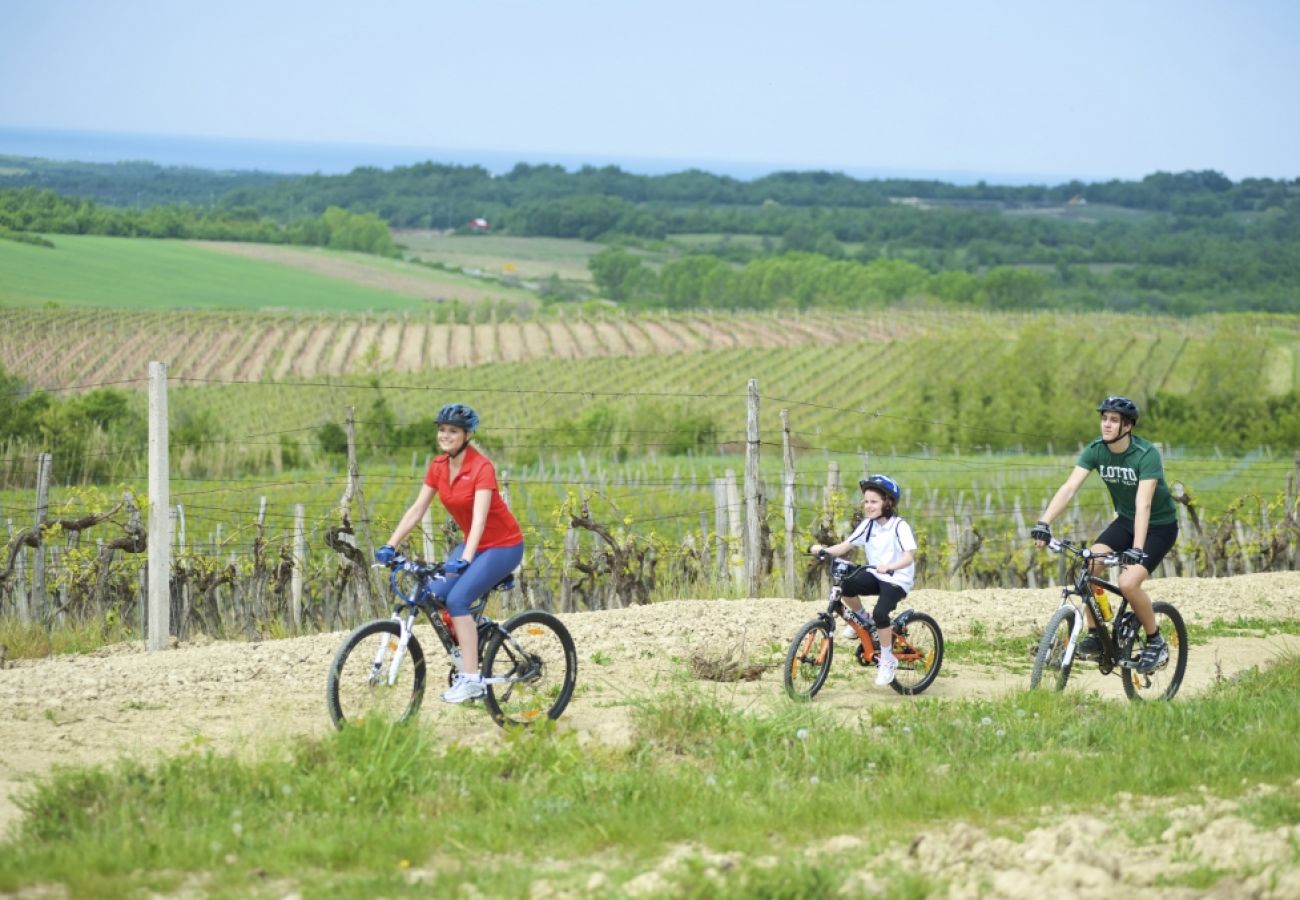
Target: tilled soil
<point>236,696</point>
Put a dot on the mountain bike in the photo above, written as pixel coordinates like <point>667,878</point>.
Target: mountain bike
<point>918,644</point>
<point>1121,642</point>
<point>529,662</point>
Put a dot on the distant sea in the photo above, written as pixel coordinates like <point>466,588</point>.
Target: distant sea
<point>305,158</point>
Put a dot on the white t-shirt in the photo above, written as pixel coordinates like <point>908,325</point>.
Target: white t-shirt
<point>886,542</point>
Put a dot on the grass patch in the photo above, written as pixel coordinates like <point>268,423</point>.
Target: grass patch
<point>1200,878</point>
<point>31,640</point>
<point>1014,652</point>
<point>1272,810</point>
<point>1242,626</point>
<point>384,809</point>
<point>85,271</point>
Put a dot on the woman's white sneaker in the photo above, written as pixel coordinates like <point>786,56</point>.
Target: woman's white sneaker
<point>464,688</point>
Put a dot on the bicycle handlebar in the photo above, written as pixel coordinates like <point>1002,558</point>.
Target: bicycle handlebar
<point>1060,545</point>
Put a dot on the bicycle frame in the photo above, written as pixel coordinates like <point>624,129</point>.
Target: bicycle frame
<point>407,610</point>
<point>1083,583</point>
<point>528,663</point>
<point>868,638</point>
<point>835,609</point>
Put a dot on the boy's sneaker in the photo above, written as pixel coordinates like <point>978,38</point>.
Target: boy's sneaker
<point>1154,655</point>
<point>887,668</point>
<point>464,688</point>
<point>1089,647</point>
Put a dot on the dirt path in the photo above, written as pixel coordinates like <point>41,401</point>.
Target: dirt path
<point>234,696</point>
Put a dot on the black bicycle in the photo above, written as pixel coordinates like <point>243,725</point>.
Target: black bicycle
<point>918,644</point>
<point>528,663</point>
<point>1121,634</point>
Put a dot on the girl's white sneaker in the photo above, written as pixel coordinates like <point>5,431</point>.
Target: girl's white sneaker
<point>887,668</point>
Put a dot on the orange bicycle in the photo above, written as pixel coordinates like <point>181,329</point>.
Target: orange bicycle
<point>918,644</point>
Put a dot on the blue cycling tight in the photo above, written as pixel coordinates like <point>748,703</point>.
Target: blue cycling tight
<point>488,568</point>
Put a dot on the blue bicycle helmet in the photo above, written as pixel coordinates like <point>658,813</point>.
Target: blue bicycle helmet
<point>1122,405</point>
<point>884,484</point>
<point>460,415</point>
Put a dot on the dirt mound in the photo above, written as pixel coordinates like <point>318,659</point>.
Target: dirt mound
<point>232,696</point>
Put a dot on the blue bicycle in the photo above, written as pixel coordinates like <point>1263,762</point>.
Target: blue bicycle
<point>528,662</point>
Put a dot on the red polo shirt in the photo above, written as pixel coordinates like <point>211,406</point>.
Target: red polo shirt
<point>476,472</point>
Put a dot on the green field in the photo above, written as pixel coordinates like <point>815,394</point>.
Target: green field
<point>85,272</point>
<point>501,256</point>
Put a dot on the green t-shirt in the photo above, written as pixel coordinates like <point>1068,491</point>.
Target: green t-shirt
<point>1122,472</point>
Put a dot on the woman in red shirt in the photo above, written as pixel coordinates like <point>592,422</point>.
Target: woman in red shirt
<point>466,483</point>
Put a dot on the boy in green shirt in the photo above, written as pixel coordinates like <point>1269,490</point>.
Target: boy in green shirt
<point>1146,522</point>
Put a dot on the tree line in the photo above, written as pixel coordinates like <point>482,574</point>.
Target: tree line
<point>403,194</point>
<point>1170,242</point>
<point>26,212</point>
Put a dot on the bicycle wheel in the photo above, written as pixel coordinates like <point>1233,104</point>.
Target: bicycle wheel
<point>1050,659</point>
<point>1163,683</point>
<point>919,651</point>
<point>535,653</point>
<point>808,661</point>
<point>358,684</point>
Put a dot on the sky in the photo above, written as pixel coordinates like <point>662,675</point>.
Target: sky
<point>1022,90</point>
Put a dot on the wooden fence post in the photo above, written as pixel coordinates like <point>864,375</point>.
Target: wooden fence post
<point>160,544</point>
<point>788,500</point>
<point>38,600</point>
<point>1018,515</point>
<point>20,582</point>
<point>753,494</point>
<point>426,534</point>
<point>720,529</point>
<point>1291,499</point>
<point>735,534</point>
<point>299,563</point>
<point>566,578</point>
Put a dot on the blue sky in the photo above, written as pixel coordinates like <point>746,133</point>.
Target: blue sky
<point>1093,90</point>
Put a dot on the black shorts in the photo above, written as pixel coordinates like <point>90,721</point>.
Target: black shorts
<point>1118,536</point>
<point>864,582</point>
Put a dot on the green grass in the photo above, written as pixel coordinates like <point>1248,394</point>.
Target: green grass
<point>371,808</point>
<point>148,274</point>
<point>499,256</point>
<point>31,640</point>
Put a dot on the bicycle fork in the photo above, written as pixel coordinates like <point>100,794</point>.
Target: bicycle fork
<point>1072,644</point>
<point>398,649</point>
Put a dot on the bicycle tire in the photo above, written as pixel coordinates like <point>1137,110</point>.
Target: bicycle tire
<point>1164,682</point>
<point>919,652</point>
<point>808,661</point>
<point>354,691</point>
<point>537,649</point>
<point>1051,651</point>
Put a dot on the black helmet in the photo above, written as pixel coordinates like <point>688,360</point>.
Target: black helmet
<point>1122,405</point>
<point>883,484</point>
<point>460,415</point>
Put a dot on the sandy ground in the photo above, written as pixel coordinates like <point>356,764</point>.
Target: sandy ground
<point>234,696</point>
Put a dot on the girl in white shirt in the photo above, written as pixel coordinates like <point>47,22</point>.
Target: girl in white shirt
<point>890,545</point>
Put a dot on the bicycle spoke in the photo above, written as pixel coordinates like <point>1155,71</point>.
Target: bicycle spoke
<point>368,679</point>
<point>531,667</point>
<point>808,660</point>
<point>919,651</point>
